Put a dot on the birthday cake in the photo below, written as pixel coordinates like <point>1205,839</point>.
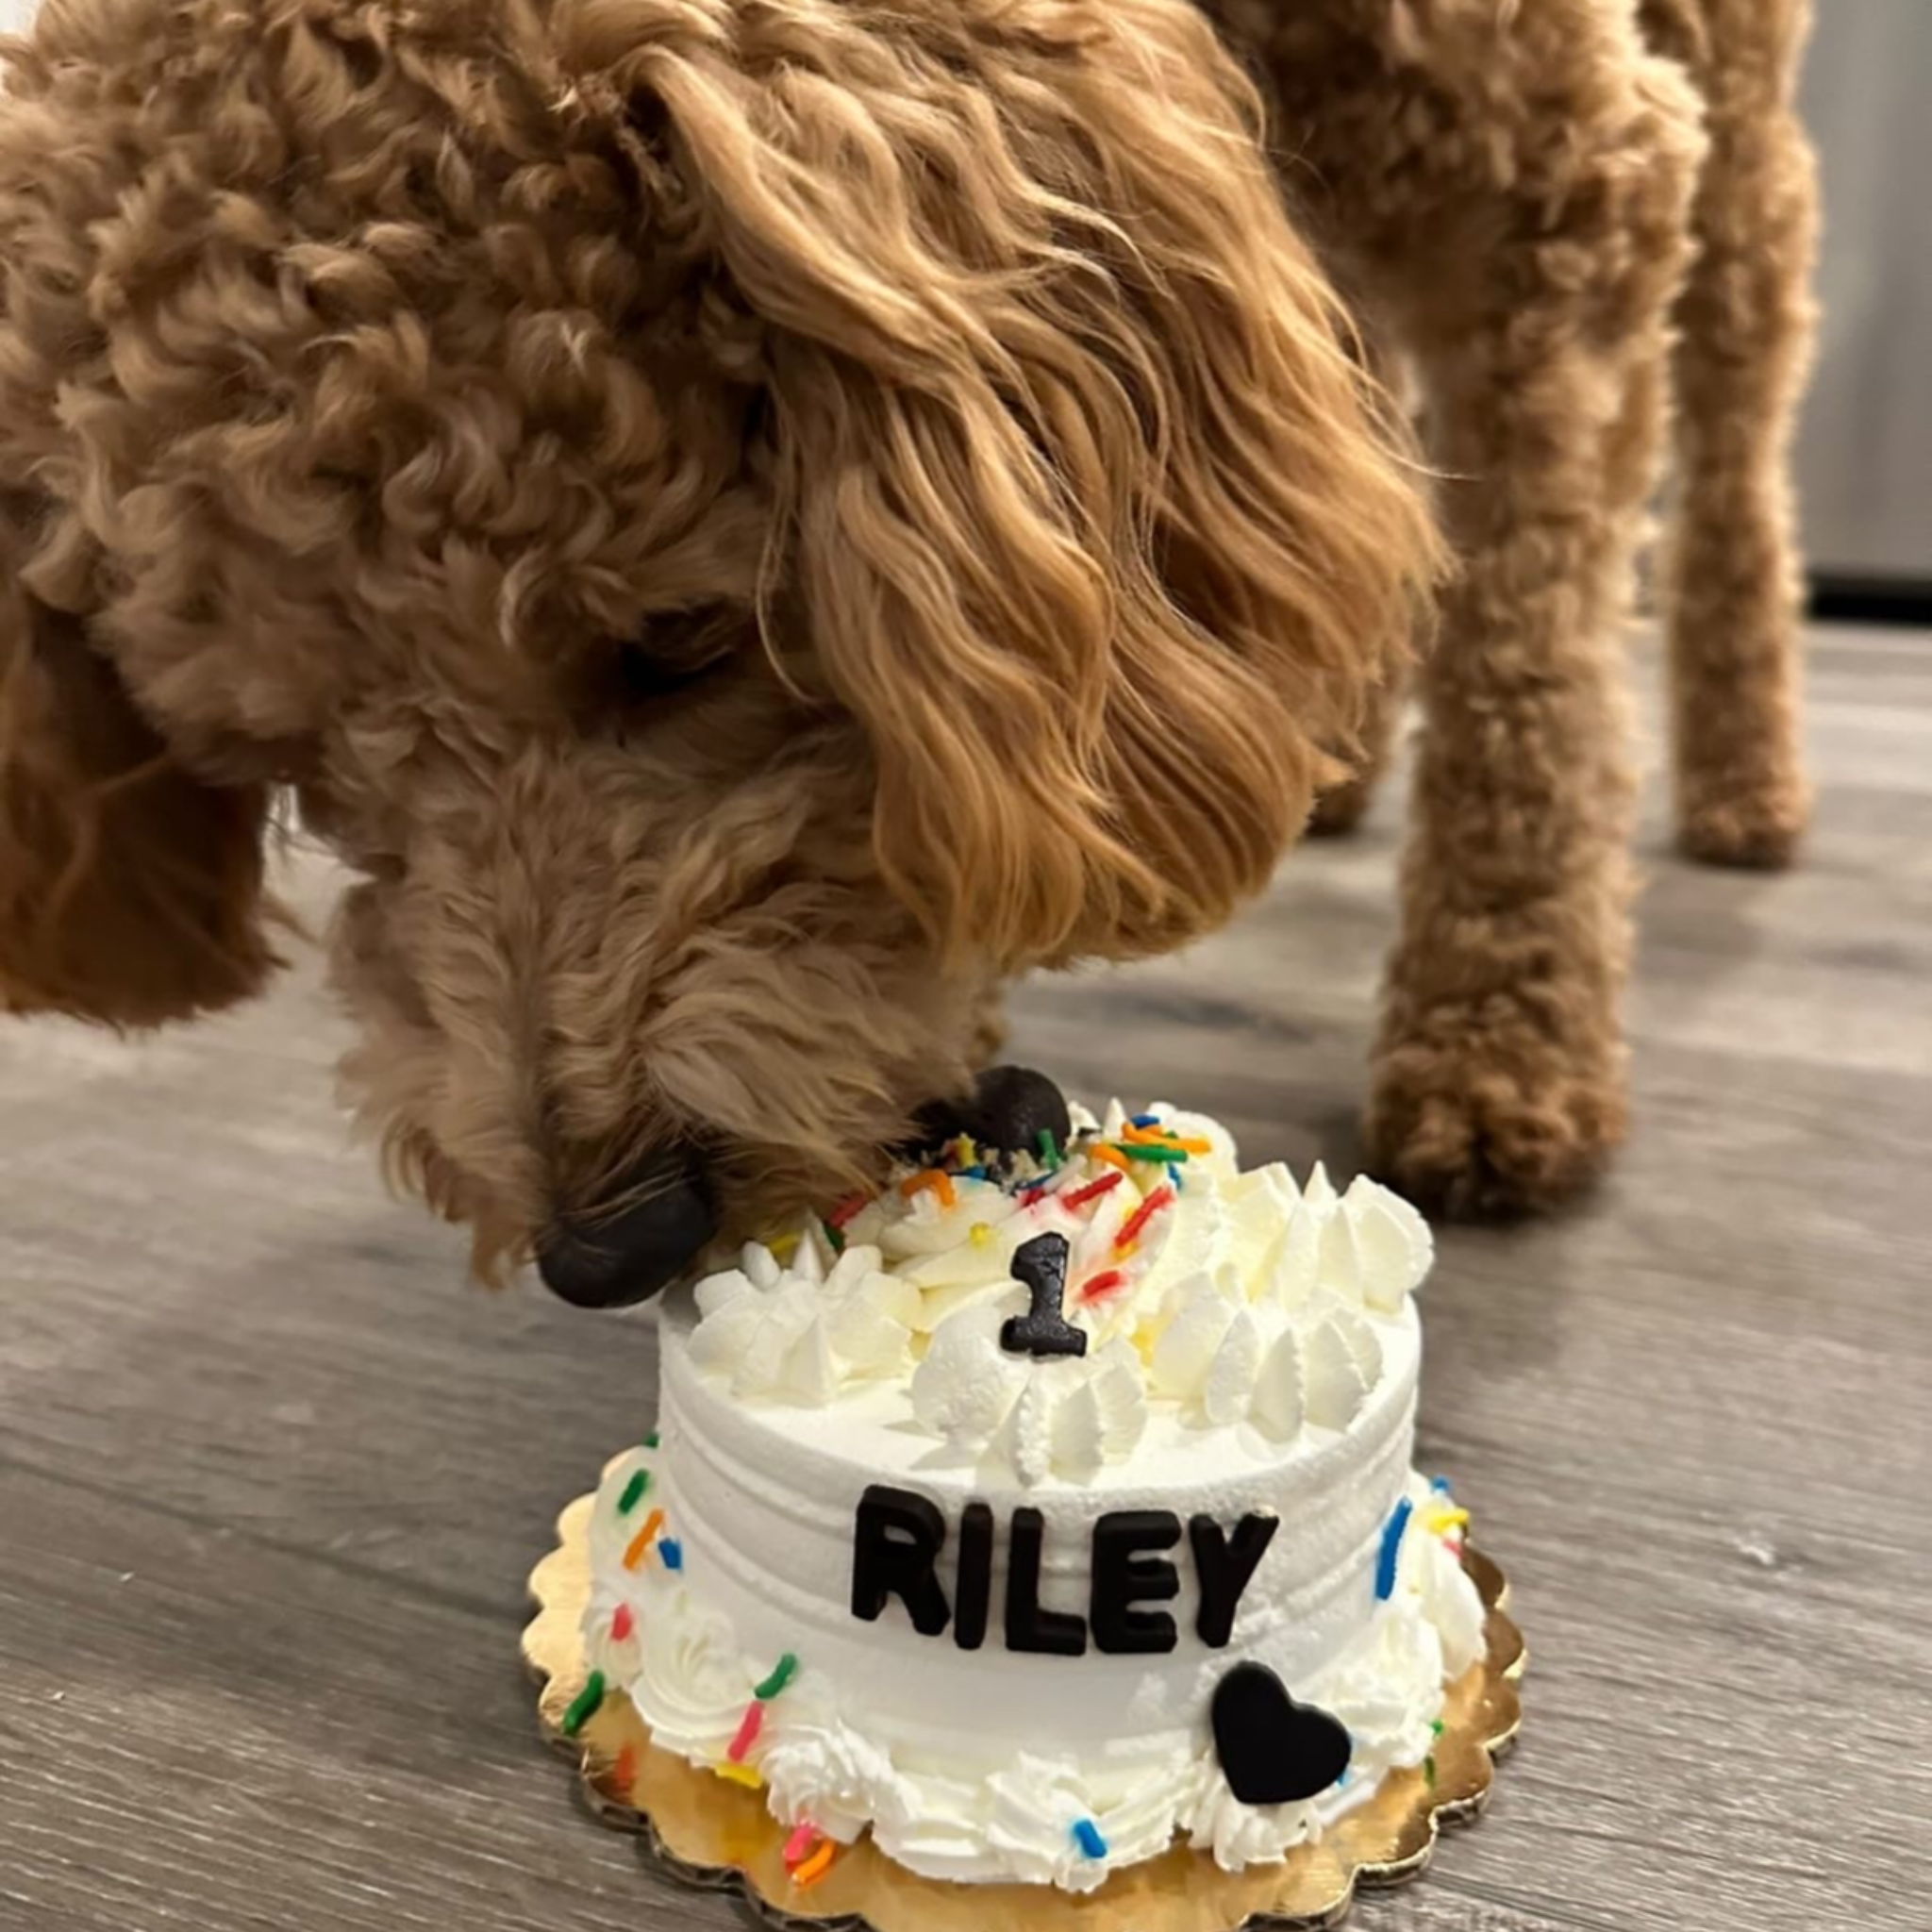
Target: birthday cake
<point>1055,1502</point>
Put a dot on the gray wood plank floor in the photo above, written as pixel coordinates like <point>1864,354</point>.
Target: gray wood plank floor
<point>271,1477</point>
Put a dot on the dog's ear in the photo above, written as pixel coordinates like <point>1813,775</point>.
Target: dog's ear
<point>1088,511</point>
<point>130,890</point>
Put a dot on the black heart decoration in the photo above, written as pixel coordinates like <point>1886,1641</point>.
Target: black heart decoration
<point>1274,1751</point>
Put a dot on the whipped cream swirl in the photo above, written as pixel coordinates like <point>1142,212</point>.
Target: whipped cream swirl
<point>1242,1301</point>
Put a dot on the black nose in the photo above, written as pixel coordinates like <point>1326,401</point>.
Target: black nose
<point>1008,1111</point>
<point>612,1260</point>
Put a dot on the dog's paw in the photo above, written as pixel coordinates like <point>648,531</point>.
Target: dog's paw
<point>1758,832</point>
<point>1487,1129</point>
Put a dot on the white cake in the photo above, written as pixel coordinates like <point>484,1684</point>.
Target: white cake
<point>1023,1614</point>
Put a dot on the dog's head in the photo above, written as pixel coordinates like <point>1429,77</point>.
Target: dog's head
<point>743,521</point>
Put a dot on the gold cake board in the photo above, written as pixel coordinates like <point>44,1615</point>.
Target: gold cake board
<point>716,1834</point>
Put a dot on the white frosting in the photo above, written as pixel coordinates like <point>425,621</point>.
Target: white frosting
<point>1244,1301</point>
<point>1260,1355</point>
<point>1064,1416</point>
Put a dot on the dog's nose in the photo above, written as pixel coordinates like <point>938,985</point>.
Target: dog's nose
<point>1009,1110</point>
<point>639,1248</point>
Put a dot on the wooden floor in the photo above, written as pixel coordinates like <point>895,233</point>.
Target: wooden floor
<point>271,1477</point>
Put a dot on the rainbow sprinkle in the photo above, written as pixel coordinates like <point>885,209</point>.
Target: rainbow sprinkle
<point>1087,1836</point>
<point>634,1492</point>
<point>835,1237</point>
<point>1049,1147</point>
<point>1104,1283</point>
<point>1157,1152</point>
<point>1079,1197</point>
<point>651,1439</point>
<point>749,1726</point>
<point>1130,1232</point>
<point>624,1773</point>
<point>934,1180</point>
<point>804,1836</point>
<point>1391,1549</point>
<point>622,1623</point>
<point>1137,1136</point>
<point>642,1540</point>
<point>814,1868</point>
<point>782,1674</point>
<point>673,1553</point>
<point>849,1209</point>
<point>739,1775</point>
<point>584,1705</point>
<point>1145,1120</point>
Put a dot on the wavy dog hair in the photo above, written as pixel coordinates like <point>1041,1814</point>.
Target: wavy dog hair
<point>742,521</point>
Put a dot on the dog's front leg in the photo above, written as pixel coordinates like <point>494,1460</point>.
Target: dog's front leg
<point>1499,1077</point>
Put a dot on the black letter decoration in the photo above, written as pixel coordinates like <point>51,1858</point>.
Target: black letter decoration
<point>974,1592</point>
<point>895,1552</point>
<point>1126,1571</point>
<point>1040,1267</point>
<point>1274,1751</point>
<point>1051,1633</point>
<point>1225,1564</point>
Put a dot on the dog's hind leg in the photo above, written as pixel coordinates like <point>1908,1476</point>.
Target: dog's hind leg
<point>1499,1077</point>
<point>1746,328</point>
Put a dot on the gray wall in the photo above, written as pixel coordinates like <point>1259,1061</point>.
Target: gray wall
<point>1865,458</point>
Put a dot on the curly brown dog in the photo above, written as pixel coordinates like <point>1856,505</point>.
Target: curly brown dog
<point>1520,198</point>
<point>748,522</point>
<point>745,524</point>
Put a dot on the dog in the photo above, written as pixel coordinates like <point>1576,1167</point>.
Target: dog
<point>1574,225</point>
<point>744,523</point>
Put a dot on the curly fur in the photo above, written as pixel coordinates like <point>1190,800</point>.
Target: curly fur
<point>743,522</point>
<point>1522,197</point>
<point>1746,322</point>
<point>129,890</point>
